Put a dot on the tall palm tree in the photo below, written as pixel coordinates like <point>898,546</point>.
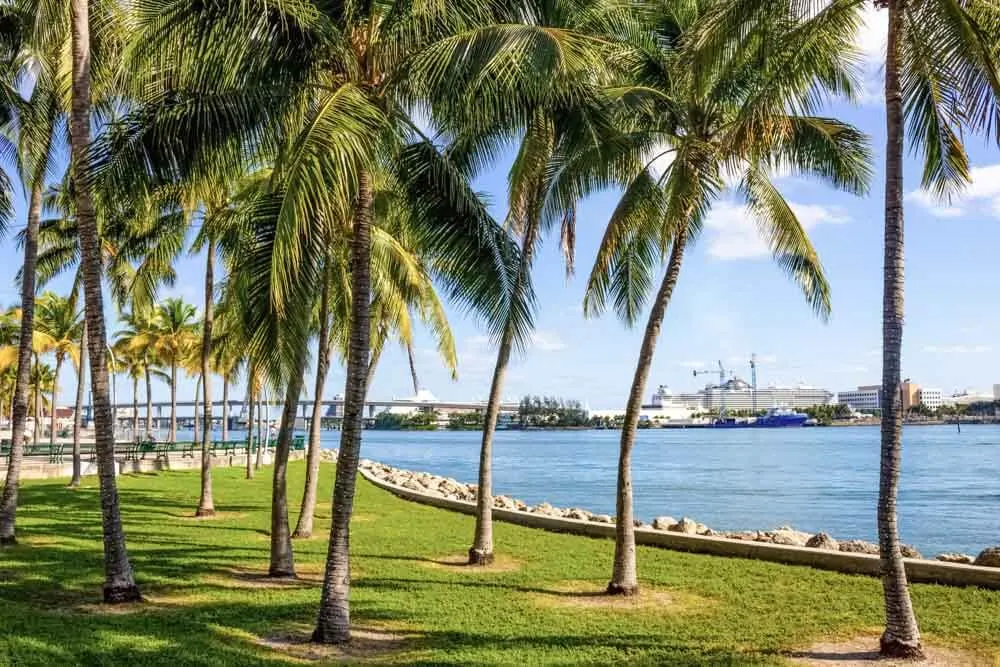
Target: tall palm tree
<point>325,98</point>
<point>30,130</point>
<point>137,342</point>
<point>172,333</point>
<point>744,113</point>
<point>60,319</point>
<point>119,584</point>
<point>941,79</point>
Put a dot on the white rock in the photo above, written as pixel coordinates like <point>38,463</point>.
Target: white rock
<point>956,558</point>
<point>686,526</point>
<point>663,522</point>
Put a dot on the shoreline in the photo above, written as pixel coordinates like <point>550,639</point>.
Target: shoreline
<point>450,489</point>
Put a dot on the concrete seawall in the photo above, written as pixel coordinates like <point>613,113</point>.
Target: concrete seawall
<point>918,570</point>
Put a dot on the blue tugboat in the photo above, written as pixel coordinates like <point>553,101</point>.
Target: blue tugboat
<point>774,418</point>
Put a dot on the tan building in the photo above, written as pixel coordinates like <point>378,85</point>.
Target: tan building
<point>910,393</point>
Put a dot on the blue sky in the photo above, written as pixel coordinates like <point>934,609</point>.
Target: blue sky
<point>731,300</point>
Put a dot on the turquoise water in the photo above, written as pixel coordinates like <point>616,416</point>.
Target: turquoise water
<point>813,478</point>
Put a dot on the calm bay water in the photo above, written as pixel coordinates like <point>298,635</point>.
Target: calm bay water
<point>813,479</point>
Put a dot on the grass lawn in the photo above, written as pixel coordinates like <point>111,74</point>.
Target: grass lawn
<point>207,605</point>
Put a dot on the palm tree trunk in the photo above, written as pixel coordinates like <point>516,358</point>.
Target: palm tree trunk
<point>250,425</point>
<point>206,506</point>
<point>282,557</point>
<point>370,373</point>
<point>333,624</point>
<point>481,552</point>
<point>304,527</point>
<point>225,408</point>
<point>260,437</point>
<point>36,432</point>
<point>624,580</point>
<point>55,393</point>
<point>197,393</point>
<point>78,409</point>
<point>135,407</point>
<point>901,638</point>
<point>413,369</point>
<point>149,401</point>
<point>19,413</point>
<point>119,582</point>
<point>173,402</point>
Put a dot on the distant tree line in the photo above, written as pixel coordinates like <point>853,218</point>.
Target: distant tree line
<point>419,421</point>
<point>550,412</point>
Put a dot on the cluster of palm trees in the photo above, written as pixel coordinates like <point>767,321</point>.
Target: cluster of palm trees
<point>324,155</point>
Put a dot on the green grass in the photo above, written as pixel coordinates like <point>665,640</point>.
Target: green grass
<point>706,610</point>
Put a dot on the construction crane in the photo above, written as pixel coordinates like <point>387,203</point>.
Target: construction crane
<point>723,372</point>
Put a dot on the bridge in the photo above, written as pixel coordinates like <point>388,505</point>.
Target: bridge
<point>333,409</point>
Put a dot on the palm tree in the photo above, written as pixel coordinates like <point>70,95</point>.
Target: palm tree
<point>311,102</point>
<point>30,131</point>
<point>172,333</point>
<point>119,584</point>
<point>60,319</point>
<point>941,79</point>
<point>137,342</point>
<point>730,117</point>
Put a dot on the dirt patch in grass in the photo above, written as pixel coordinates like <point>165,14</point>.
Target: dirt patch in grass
<point>218,516</point>
<point>863,651</point>
<point>240,577</point>
<point>460,563</point>
<point>365,644</point>
<point>591,595</point>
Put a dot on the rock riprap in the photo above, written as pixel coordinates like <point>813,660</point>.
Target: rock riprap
<point>446,487</point>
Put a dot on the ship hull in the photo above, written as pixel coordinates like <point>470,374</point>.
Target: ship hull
<point>783,421</point>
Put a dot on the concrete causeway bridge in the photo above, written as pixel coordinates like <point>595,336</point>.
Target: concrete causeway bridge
<point>332,414</point>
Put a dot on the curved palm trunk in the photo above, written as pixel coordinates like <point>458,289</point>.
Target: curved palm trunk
<point>206,506</point>
<point>78,409</point>
<point>250,426</point>
<point>481,552</point>
<point>119,582</point>
<point>624,580</point>
<point>55,393</point>
<point>901,638</point>
<point>172,437</point>
<point>333,624</point>
<point>149,401</point>
<point>304,526</point>
<point>413,369</point>
<point>19,413</point>
<point>282,557</point>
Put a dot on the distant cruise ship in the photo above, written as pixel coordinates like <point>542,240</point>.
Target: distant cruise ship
<point>737,394</point>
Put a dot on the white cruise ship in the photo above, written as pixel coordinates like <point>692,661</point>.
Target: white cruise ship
<point>737,394</point>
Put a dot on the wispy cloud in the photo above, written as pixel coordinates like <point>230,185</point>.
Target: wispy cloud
<point>733,234</point>
<point>957,349</point>
<point>981,197</point>
<point>547,341</point>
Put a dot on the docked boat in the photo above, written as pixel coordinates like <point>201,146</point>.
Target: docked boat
<point>773,418</point>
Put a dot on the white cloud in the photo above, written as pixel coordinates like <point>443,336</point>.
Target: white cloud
<point>547,341</point>
<point>873,33</point>
<point>981,196</point>
<point>692,364</point>
<point>957,349</point>
<point>733,234</point>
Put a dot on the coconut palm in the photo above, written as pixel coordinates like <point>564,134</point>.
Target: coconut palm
<point>29,133</point>
<point>747,113</point>
<point>137,342</point>
<point>172,333</point>
<point>941,80</point>
<point>60,319</point>
<point>311,95</point>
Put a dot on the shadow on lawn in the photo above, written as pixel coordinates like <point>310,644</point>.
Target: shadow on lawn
<point>50,588</point>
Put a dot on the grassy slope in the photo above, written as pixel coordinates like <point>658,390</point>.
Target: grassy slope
<point>726,611</point>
